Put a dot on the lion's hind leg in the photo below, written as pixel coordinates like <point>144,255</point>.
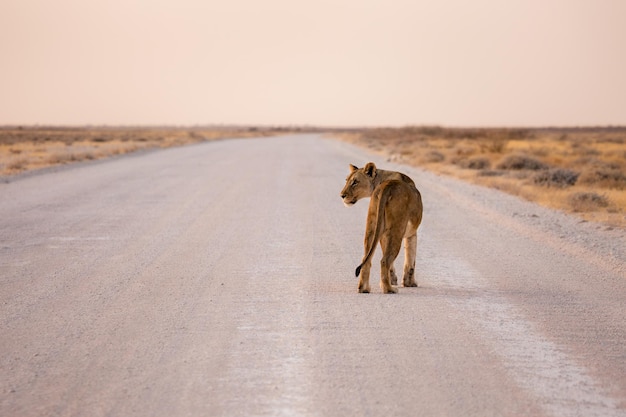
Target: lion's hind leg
<point>392,270</point>
<point>392,275</point>
<point>391,248</point>
<point>410,251</point>
<point>364,277</point>
<point>363,272</point>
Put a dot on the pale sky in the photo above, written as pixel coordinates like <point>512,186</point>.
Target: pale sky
<point>316,62</point>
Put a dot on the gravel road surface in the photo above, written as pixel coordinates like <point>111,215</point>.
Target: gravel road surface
<point>218,280</point>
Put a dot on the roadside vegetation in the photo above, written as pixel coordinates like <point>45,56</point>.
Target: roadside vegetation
<point>578,170</point>
<point>29,148</point>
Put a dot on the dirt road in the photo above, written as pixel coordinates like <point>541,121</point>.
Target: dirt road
<point>218,280</point>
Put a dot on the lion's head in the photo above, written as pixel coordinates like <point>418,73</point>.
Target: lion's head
<point>359,184</point>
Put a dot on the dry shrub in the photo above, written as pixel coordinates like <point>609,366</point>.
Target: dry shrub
<point>587,201</point>
<point>605,175</point>
<point>593,162</point>
<point>426,130</point>
<point>587,152</point>
<point>477,162</point>
<point>494,145</point>
<point>434,156</point>
<point>558,177</point>
<point>619,139</point>
<point>520,134</point>
<point>541,152</point>
<point>196,136</point>
<point>464,150</point>
<point>62,158</point>
<point>491,173</point>
<point>17,165</point>
<point>520,161</point>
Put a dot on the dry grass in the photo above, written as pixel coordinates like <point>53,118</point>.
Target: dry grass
<point>580,171</point>
<point>28,148</point>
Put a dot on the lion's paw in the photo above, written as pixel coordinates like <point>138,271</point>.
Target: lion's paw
<point>390,290</point>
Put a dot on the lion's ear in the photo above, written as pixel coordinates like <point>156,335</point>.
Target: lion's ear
<point>353,168</point>
<point>370,169</point>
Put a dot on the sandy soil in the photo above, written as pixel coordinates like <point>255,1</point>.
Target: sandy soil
<point>217,279</point>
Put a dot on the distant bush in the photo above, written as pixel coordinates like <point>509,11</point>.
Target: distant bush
<point>463,150</point>
<point>18,164</point>
<point>618,139</point>
<point>494,145</point>
<point>520,161</point>
<point>434,156</point>
<point>491,173</point>
<point>587,201</point>
<point>518,134</point>
<point>477,162</point>
<point>604,176</point>
<point>557,177</point>
<point>430,130</point>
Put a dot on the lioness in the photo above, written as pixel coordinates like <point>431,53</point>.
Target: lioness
<point>395,213</point>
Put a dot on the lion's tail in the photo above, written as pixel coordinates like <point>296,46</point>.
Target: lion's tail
<point>384,195</point>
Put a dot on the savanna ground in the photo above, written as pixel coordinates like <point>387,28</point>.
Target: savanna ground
<point>577,170</point>
<point>30,148</point>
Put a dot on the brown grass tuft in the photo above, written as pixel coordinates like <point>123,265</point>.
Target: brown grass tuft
<point>477,162</point>
<point>587,201</point>
<point>494,145</point>
<point>434,157</point>
<point>557,177</point>
<point>604,176</point>
<point>17,165</point>
<point>518,162</point>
